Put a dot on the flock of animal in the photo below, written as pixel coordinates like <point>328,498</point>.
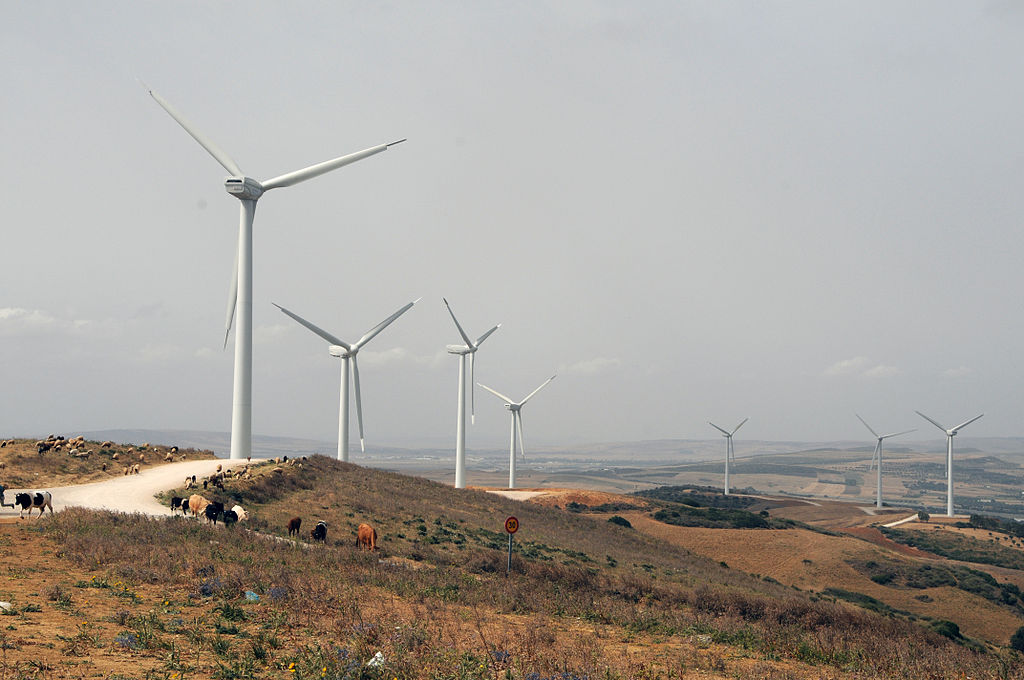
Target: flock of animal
<point>198,506</point>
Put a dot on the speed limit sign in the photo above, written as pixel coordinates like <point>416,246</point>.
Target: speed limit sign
<point>511,525</point>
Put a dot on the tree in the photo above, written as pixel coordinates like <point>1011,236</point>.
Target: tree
<point>923,516</point>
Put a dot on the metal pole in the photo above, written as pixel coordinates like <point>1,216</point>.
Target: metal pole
<point>508,567</point>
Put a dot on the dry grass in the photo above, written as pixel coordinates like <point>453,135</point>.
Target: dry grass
<point>585,597</point>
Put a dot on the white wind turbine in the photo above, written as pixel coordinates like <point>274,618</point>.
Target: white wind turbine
<point>517,427</point>
<point>347,353</point>
<point>950,433</point>
<point>248,191</point>
<point>729,453</point>
<point>876,457</point>
<point>470,349</point>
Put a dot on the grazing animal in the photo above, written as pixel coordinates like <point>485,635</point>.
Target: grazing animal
<point>319,532</point>
<point>366,537</point>
<point>135,469</point>
<point>174,449</point>
<point>127,470</point>
<point>197,504</point>
<point>294,524</point>
<point>230,517</point>
<point>240,513</point>
<point>176,503</point>
<point>212,511</point>
<point>104,467</point>
<point>107,444</point>
<point>27,501</point>
<point>218,467</point>
<point>42,447</point>
<point>168,458</point>
<point>190,482</point>
<point>184,506</point>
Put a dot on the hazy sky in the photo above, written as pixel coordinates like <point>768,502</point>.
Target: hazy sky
<point>688,210</point>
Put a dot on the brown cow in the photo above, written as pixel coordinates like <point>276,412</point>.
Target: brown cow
<point>366,537</point>
<point>197,504</point>
<point>293,526</point>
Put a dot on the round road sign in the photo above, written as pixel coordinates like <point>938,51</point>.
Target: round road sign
<point>512,525</point>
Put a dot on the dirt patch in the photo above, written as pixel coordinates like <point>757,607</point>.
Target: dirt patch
<point>559,498</point>
<point>872,535</point>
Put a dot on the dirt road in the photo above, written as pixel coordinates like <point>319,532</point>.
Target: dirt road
<point>133,493</point>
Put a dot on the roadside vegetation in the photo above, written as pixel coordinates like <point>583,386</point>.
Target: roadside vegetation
<point>435,602</point>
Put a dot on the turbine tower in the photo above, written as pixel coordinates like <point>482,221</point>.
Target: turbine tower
<point>950,433</point>
<point>249,190</point>
<point>462,351</point>
<point>876,457</point>
<point>347,353</point>
<point>517,427</point>
<point>729,453</point>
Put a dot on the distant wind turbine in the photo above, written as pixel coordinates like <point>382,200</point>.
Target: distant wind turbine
<point>950,433</point>
<point>248,191</point>
<point>461,351</point>
<point>347,353</point>
<point>876,457</point>
<point>517,427</point>
<point>729,453</point>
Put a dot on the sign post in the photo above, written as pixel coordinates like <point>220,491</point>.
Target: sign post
<point>511,526</point>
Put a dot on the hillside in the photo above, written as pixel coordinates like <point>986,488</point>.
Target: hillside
<point>127,596</point>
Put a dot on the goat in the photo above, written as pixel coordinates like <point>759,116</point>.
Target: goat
<point>240,514</point>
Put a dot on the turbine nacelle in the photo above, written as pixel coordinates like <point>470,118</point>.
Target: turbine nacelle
<point>339,351</point>
<point>460,349</point>
<point>243,188</point>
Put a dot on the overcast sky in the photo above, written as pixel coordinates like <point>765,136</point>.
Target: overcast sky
<point>690,211</point>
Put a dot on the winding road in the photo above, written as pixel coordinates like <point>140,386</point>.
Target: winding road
<point>132,493</point>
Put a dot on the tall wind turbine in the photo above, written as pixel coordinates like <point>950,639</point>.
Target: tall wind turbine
<point>462,351</point>
<point>347,353</point>
<point>876,458</point>
<point>950,433</point>
<point>517,427</point>
<point>729,453</point>
<point>248,191</point>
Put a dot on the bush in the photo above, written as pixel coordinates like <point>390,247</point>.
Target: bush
<point>621,521</point>
<point>923,516</point>
<point>1017,641</point>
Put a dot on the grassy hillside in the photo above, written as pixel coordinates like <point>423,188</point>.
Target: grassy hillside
<point>586,598</point>
<point>22,467</point>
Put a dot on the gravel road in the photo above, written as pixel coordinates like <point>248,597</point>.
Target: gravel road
<point>133,493</point>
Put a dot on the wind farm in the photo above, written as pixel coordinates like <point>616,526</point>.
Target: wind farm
<point>682,212</point>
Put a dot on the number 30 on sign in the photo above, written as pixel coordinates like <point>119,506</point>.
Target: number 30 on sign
<point>511,525</point>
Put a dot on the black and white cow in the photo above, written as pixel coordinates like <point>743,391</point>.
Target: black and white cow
<point>176,503</point>
<point>40,499</point>
<point>319,532</point>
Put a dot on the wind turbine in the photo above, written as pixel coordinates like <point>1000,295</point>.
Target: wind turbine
<point>517,427</point>
<point>876,457</point>
<point>729,453</point>
<point>462,351</point>
<point>347,353</point>
<point>249,190</point>
<point>950,433</point>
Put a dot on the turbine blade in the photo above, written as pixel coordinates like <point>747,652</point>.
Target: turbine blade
<point>723,431</point>
<point>359,402</point>
<point>232,300</point>
<point>496,393</point>
<point>519,425</point>
<point>333,339</point>
<point>203,140</point>
<point>932,421</point>
<point>312,171</point>
<point>485,336</point>
<point>370,334</point>
<point>874,456</point>
<point>965,424</point>
<point>472,388</point>
<point>738,427</point>
<point>866,424</point>
<point>538,389</point>
<point>897,434</point>
<point>469,343</point>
